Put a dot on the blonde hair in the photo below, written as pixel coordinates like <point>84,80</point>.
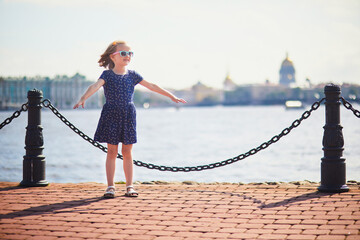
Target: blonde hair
<point>105,60</point>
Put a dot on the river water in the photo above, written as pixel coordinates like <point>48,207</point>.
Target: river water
<point>189,136</point>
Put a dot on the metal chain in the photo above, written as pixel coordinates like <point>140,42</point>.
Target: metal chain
<point>16,114</point>
<point>46,103</point>
<point>350,107</point>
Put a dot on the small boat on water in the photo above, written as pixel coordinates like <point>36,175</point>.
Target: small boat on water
<point>146,105</point>
<point>294,104</point>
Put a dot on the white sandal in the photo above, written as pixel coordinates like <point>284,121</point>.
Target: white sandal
<point>109,192</point>
<point>130,192</point>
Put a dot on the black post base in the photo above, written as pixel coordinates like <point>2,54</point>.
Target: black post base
<point>41,183</point>
<point>333,189</point>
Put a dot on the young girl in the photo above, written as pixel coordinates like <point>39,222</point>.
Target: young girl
<point>117,122</point>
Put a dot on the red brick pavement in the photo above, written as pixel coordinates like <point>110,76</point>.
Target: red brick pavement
<point>179,211</point>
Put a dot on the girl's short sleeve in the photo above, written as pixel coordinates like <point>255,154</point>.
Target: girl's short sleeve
<point>136,77</point>
<point>104,75</point>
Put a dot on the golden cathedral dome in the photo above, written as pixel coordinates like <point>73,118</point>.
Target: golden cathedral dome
<point>287,62</point>
<point>228,79</point>
<point>287,72</point>
<point>229,85</point>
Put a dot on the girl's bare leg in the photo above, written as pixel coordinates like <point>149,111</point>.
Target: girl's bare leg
<point>128,163</point>
<point>111,163</point>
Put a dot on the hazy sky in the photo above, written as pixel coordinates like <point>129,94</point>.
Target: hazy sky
<point>178,43</point>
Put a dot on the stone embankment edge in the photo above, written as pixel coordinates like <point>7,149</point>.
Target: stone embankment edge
<point>297,183</point>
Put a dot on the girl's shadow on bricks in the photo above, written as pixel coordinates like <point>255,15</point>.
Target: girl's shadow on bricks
<point>296,199</point>
<point>52,208</point>
<point>286,202</point>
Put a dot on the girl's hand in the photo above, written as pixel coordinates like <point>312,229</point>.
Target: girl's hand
<point>90,91</point>
<point>178,100</point>
<point>80,103</point>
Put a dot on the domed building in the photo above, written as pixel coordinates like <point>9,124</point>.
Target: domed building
<point>229,85</point>
<point>287,72</point>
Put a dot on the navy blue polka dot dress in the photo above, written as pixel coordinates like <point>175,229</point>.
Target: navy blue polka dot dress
<point>117,122</point>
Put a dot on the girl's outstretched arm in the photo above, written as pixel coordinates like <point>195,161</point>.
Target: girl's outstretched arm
<point>90,91</point>
<point>155,88</point>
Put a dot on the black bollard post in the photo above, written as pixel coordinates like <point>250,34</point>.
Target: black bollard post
<point>34,161</point>
<point>333,170</point>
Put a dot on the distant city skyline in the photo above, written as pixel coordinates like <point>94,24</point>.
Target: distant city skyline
<point>179,43</point>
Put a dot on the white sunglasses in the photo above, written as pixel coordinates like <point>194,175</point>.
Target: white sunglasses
<point>124,53</point>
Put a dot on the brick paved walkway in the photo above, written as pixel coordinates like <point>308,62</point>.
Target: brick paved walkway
<point>76,211</point>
